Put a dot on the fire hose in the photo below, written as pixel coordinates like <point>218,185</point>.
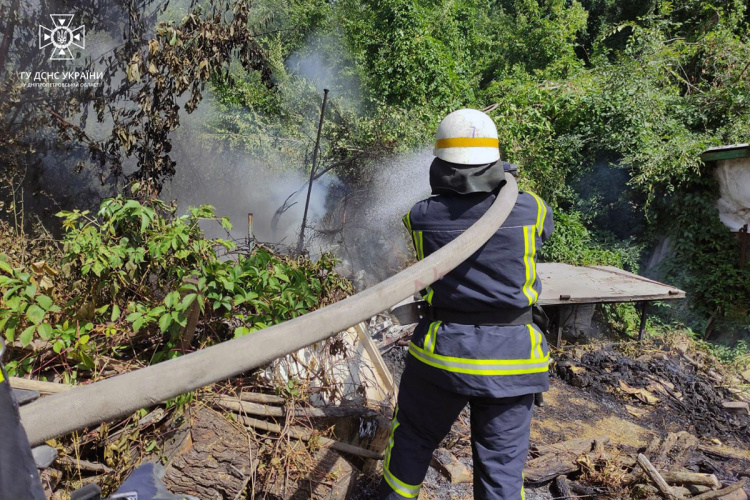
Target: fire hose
<point>90,405</point>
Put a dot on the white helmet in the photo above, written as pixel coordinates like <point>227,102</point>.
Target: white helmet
<point>467,137</point>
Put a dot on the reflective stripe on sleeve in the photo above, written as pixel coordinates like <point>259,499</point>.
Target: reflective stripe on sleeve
<point>529,251</point>
<point>541,213</point>
<point>407,221</point>
<point>480,366</point>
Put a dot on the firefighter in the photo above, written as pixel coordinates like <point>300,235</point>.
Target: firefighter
<point>478,344</point>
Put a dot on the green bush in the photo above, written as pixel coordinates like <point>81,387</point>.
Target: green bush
<point>128,278</point>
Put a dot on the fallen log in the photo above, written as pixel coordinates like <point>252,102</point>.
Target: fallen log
<point>305,435</point>
<point>720,493</point>
<point>651,471</point>
<point>685,478</point>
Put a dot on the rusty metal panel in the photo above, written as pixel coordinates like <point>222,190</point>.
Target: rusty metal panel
<point>566,284</point>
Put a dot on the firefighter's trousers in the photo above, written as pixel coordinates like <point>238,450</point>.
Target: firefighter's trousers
<point>424,416</point>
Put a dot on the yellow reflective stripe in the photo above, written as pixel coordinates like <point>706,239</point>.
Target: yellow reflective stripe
<point>2,377</point>
<point>529,249</point>
<point>407,221</point>
<point>391,439</point>
<point>430,293</point>
<point>523,493</point>
<point>418,244</point>
<point>467,142</point>
<point>400,487</point>
<point>480,366</point>
<point>536,342</point>
<point>539,345</point>
<point>532,263</point>
<point>541,213</point>
<point>431,338</point>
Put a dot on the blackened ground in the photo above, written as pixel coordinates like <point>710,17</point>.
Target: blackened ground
<point>586,401</point>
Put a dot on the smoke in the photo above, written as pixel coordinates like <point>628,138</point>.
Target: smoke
<point>361,224</point>
<point>370,237</point>
<point>237,183</point>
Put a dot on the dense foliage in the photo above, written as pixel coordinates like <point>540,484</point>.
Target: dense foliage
<point>606,106</point>
<point>121,286</point>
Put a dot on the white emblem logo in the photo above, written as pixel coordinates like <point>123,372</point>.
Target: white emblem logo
<point>61,37</point>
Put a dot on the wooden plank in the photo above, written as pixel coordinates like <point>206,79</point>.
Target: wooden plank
<point>38,385</point>
<point>377,360</point>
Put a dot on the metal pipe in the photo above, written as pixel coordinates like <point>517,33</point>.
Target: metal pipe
<point>642,327</point>
<point>301,240</point>
<point>90,405</point>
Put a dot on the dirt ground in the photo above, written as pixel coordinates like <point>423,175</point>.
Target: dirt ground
<point>592,406</point>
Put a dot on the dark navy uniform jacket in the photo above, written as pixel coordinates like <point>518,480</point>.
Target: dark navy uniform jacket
<point>486,360</point>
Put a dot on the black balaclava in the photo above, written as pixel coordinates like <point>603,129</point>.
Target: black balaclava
<point>454,178</point>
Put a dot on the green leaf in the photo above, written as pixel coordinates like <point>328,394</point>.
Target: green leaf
<point>84,339</point>
<point>115,313</point>
<point>27,336</point>
<point>180,319</point>
<point>44,301</point>
<point>10,329</point>
<point>30,291</point>
<point>241,331</point>
<point>35,314</point>
<point>187,300</point>
<point>58,346</point>
<point>164,322</point>
<point>86,361</point>
<point>44,330</point>
<point>4,266</point>
<point>103,309</point>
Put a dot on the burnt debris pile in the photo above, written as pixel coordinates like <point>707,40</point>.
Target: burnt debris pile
<point>690,398</point>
